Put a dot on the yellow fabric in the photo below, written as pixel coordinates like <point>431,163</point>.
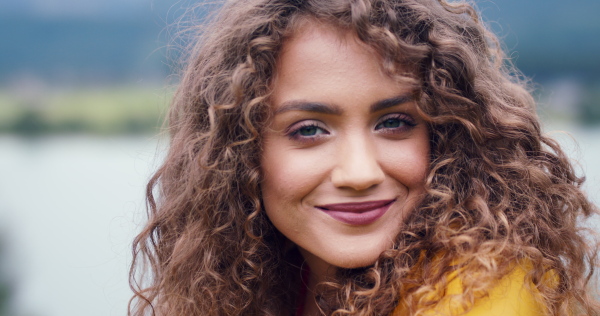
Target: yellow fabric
<point>510,297</point>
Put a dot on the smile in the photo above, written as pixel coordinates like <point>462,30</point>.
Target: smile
<point>362,213</point>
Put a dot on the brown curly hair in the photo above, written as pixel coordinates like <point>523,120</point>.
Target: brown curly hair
<point>498,191</point>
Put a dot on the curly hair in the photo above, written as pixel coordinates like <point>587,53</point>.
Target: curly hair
<point>498,191</point>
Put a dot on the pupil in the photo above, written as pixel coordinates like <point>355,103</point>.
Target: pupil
<point>391,123</point>
<point>308,130</point>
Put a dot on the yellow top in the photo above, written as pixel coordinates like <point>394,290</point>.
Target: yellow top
<point>510,297</point>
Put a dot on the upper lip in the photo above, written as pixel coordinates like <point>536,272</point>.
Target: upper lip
<point>356,207</point>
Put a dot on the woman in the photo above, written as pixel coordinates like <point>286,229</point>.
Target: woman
<point>359,157</point>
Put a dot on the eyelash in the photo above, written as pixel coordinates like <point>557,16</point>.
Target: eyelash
<point>405,119</point>
<point>294,132</point>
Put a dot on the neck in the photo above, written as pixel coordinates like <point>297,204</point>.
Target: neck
<point>320,271</point>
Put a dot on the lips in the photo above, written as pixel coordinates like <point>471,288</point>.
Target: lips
<point>362,213</point>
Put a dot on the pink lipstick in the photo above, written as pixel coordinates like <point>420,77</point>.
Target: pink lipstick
<point>362,213</point>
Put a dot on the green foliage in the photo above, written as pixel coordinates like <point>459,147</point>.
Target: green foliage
<point>93,111</point>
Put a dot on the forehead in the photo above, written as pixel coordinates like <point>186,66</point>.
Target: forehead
<point>317,40</point>
<point>322,61</point>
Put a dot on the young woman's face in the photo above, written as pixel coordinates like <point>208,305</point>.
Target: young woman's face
<point>346,154</point>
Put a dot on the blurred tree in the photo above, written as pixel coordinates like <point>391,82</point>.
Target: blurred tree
<point>589,108</point>
<point>6,284</point>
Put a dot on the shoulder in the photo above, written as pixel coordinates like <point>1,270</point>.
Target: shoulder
<point>511,296</point>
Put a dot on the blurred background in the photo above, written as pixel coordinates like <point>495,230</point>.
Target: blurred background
<point>84,86</point>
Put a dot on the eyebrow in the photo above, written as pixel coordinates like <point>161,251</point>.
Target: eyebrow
<point>390,102</point>
<point>299,105</point>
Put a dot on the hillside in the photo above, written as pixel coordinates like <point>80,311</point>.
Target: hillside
<point>106,41</point>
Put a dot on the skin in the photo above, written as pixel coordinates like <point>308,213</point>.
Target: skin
<point>342,132</point>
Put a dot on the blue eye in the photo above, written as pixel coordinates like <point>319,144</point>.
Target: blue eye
<point>309,130</point>
<point>396,122</point>
<point>391,123</point>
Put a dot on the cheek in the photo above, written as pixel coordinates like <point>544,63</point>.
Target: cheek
<point>282,174</point>
<point>288,179</point>
<point>408,162</point>
<point>289,175</point>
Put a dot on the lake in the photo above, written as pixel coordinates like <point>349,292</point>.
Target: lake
<point>70,206</point>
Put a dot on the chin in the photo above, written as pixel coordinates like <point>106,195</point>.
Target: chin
<point>357,261</point>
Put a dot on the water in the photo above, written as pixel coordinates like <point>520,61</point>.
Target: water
<point>70,206</point>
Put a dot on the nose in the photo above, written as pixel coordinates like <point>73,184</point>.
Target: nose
<point>357,166</point>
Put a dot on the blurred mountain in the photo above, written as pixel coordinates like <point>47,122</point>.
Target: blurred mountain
<point>70,49</point>
<point>86,8</point>
<point>76,42</point>
<point>79,41</point>
<point>549,38</point>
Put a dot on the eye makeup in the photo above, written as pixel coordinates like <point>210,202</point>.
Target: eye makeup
<point>395,123</point>
<point>309,130</point>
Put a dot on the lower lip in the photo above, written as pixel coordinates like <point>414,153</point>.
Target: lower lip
<point>358,219</point>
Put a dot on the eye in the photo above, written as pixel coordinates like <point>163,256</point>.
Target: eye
<point>309,130</point>
<point>395,122</point>
<point>391,123</point>
<point>306,131</point>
